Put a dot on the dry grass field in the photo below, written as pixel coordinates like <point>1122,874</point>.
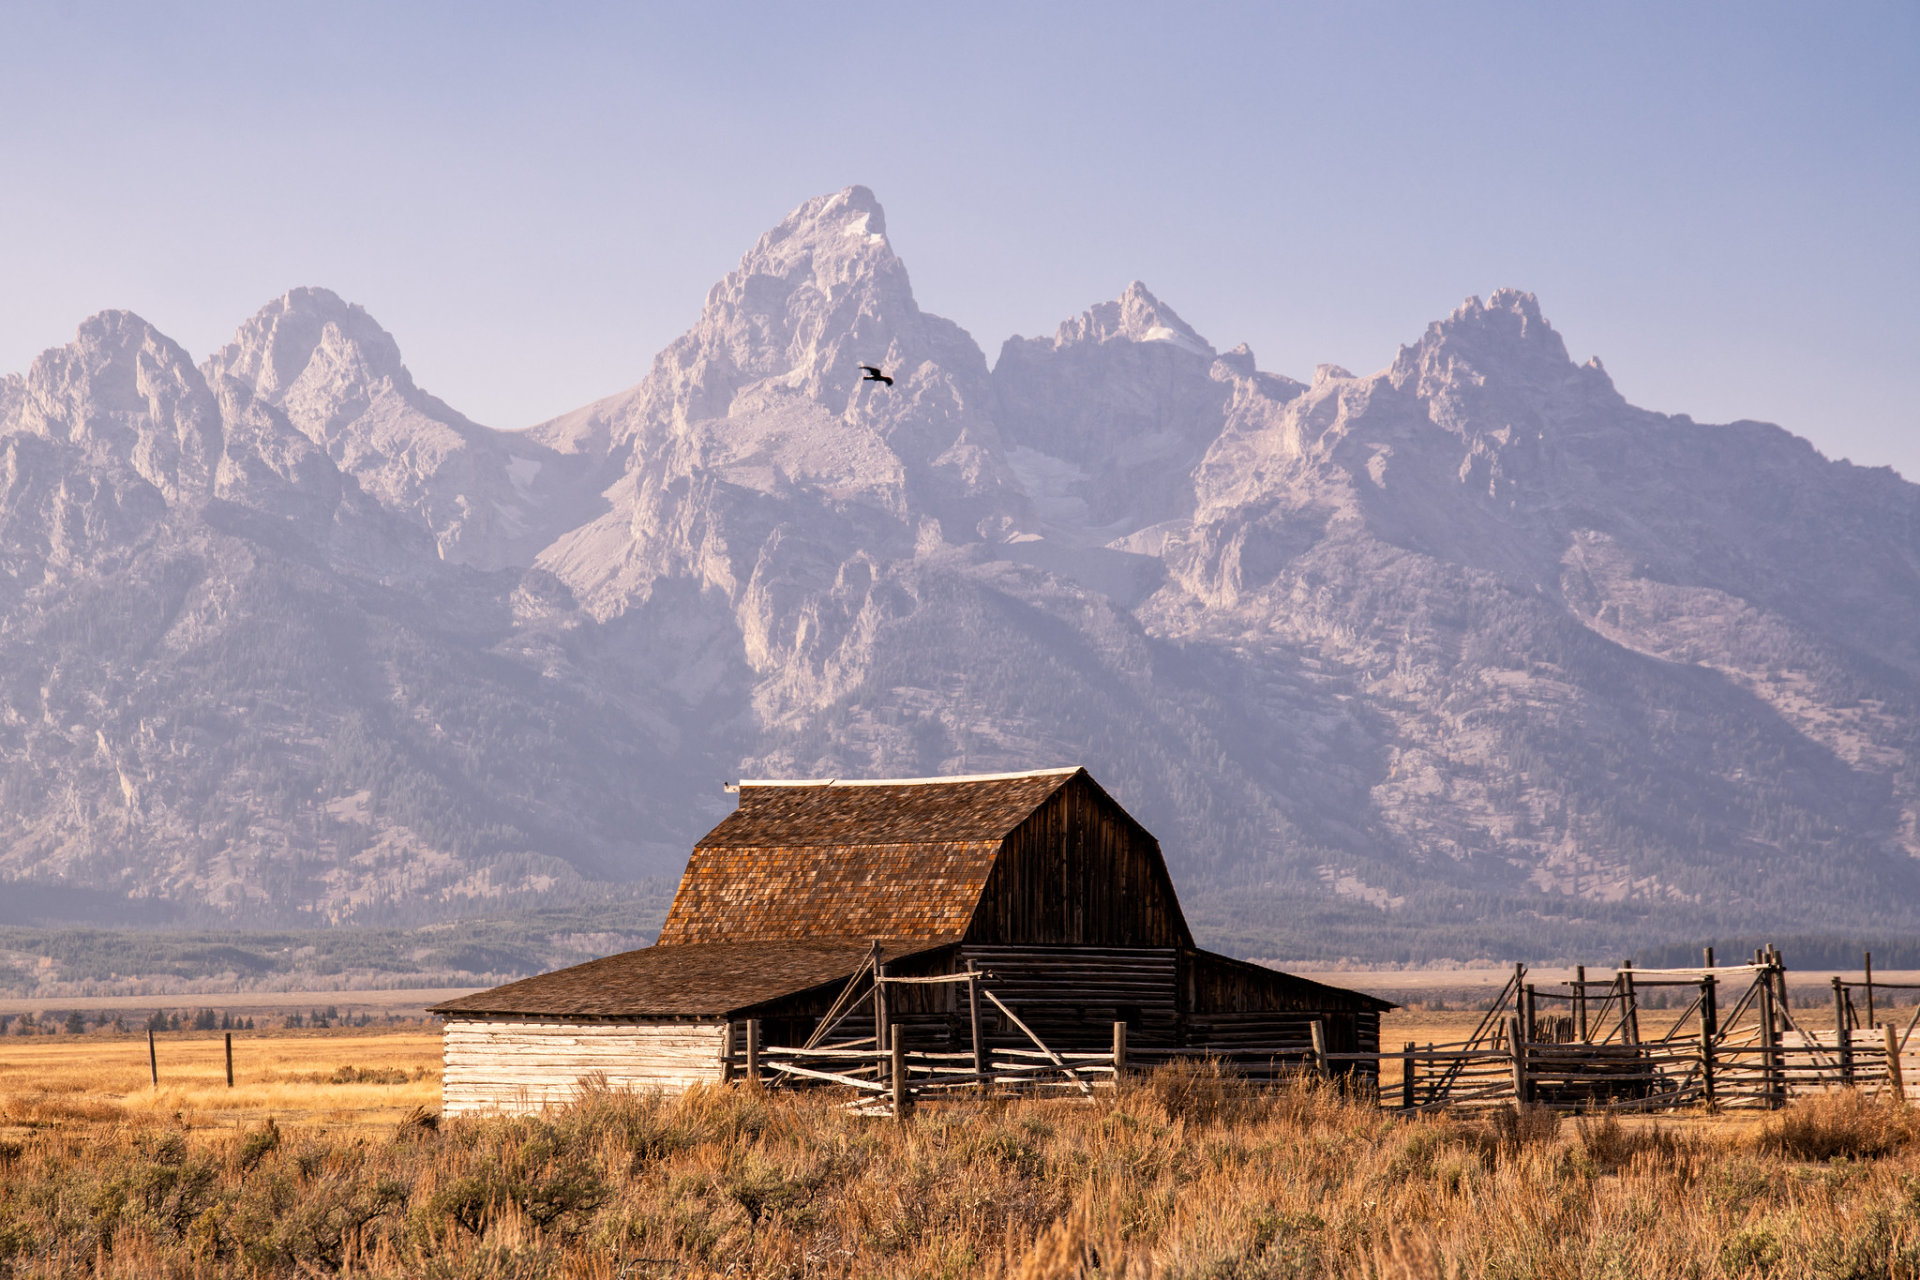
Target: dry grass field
<point>306,1168</point>
<point>333,1080</point>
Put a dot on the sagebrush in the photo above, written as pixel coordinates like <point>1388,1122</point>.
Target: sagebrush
<point>1182,1174</point>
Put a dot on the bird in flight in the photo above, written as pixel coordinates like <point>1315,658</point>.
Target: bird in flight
<point>874,375</point>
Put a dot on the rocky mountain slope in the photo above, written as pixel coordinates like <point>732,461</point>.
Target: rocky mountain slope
<point>1464,655</point>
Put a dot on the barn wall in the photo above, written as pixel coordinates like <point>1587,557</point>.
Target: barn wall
<point>1234,1005</point>
<point>517,1066</point>
<point>1079,872</point>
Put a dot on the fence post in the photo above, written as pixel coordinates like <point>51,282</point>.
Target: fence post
<point>1706,1069</point>
<point>902,1095</point>
<point>1517,1047</point>
<point>153,1059</point>
<point>1317,1034</point>
<point>726,1052</point>
<point>1406,1076</point>
<point>1769,1035</point>
<point>1119,1052</point>
<point>1629,1005</point>
<point>1580,1003</point>
<point>1842,1032</point>
<point>1867,959</point>
<point>229,1059</point>
<point>879,1006</point>
<point>1710,999</point>
<point>1894,1075</point>
<point>973,1013</point>
<point>753,1052</point>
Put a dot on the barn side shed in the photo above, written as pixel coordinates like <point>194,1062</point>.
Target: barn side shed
<point>1039,879</point>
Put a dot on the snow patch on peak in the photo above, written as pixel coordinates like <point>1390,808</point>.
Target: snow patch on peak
<point>1186,342</point>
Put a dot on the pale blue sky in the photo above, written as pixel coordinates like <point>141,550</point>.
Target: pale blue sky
<point>1721,201</point>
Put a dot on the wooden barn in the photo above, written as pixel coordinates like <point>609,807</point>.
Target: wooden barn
<point>1038,883</point>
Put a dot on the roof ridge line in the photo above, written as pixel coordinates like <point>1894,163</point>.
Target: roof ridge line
<point>896,782</point>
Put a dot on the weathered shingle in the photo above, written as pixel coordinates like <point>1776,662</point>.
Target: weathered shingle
<point>697,981</point>
<point>859,813</point>
<point>892,890</point>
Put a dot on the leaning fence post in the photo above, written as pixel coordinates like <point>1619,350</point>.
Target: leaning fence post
<point>1517,1047</point>
<point>902,1095</point>
<point>229,1059</point>
<point>1119,1052</point>
<point>1894,1076</point>
<point>1317,1032</point>
<point>153,1059</point>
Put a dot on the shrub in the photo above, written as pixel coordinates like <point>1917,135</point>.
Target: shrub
<point>1844,1122</point>
<point>1611,1146</point>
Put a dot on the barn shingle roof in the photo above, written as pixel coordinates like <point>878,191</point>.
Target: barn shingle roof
<point>899,859</point>
<point>713,979</point>
<point>900,811</point>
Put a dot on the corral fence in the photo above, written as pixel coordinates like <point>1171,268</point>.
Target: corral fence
<point>1738,1042</point>
<point>1578,1045</point>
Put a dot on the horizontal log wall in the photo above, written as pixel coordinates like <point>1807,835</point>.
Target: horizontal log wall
<point>521,1065</point>
<point>1074,995</point>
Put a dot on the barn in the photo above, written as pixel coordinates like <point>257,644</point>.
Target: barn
<point>1038,879</point>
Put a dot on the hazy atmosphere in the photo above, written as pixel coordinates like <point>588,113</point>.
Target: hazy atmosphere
<point>1722,201</point>
<point>1045,642</point>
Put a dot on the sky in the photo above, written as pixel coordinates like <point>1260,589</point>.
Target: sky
<point>1720,201</point>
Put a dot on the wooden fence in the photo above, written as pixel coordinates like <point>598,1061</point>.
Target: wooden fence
<point>1737,1043</point>
<point>1571,1046</point>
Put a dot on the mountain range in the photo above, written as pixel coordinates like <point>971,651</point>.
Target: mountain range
<point>1461,655</point>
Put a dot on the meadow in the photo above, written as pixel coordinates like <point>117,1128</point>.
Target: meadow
<point>327,1159</point>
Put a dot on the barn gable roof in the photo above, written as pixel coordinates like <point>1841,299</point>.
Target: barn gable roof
<point>903,858</point>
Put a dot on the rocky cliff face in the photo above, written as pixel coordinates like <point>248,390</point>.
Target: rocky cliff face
<point>1466,653</point>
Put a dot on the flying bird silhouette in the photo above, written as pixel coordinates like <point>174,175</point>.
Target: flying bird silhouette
<point>874,375</point>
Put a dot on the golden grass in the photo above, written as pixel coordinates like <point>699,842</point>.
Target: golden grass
<point>1181,1174</point>
<point>332,1079</point>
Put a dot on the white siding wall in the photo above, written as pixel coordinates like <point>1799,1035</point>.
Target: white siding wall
<point>520,1066</point>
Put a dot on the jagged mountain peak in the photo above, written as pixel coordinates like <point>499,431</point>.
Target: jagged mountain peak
<point>339,379</point>
<point>324,360</point>
<point>1507,331</point>
<point>1500,365</point>
<point>123,390</point>
<point>816,296</point>
<point>1135,316</point>
<point>776,356</point>
<point>851,217</point>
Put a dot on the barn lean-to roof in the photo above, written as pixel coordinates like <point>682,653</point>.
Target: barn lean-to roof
<point>899,858</point>
<point>698,980</point>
